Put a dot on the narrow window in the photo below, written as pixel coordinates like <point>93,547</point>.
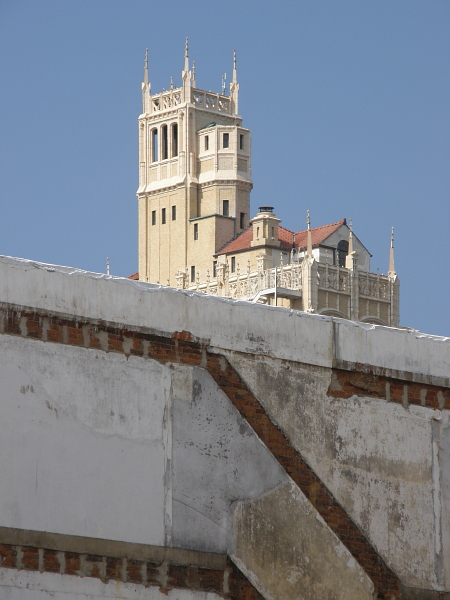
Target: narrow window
<point>242,221</point>
<point>226,208</point>
<point>257,233</point>
<point>226,140</point>
<point>163,216</point>
<point>154,145</point>
<point>192,273</point>
<point>165,146</point>
<point>196,231</point>
<point>153,217</point>
<point>174,213</point>
<point>233,264</point>
<point>206,142</point>
<point>342,251</point>
<point>214,268</point>
<point>241,142</point>
<point>175,139</point>
<point>273,232</point>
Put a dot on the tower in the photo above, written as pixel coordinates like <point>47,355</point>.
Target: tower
<point>194,177</point>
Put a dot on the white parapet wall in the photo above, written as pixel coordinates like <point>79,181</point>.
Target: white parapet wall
<point>224,323</point>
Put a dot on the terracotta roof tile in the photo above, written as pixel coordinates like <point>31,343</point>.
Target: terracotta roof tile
<point>318,235</point>
<point>134,276</point>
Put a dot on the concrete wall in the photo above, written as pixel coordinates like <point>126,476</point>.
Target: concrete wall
<point>109,445</point>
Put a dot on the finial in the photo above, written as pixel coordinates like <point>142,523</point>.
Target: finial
<point>171,83</point>
<point>186,55</point>
<point>391,271</point>
<point>351,225</point>
<point>194,83</point>
<point>234,67</point>
<point>146,66</point>
<point>107,265</point>
<point>309,240</point>
<point>224,83</point>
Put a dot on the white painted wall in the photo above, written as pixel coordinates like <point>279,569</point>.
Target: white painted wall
<point>24,585</point>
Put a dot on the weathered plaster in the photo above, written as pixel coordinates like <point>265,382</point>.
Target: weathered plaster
<point>283,546</point>
<point>374,456</point>
<point>23,585</point>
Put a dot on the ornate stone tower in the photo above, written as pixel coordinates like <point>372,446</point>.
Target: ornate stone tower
<point>194,177</point>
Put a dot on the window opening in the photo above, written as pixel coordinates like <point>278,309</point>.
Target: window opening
<point>163,216</point>
<point>214,268</point>
<point>273,232</point>
<point>226,208</point>
<point>174,213</point>
<point>342,251</point>
<point>242,221</point>
<point>165,148</point>
<point>206,142</point>
<point>154,145</point>
<point>241,142</point>
<point>193,274</point>
<point>175,139</point>
<point>153,217</point>
<point>233,264</point>
<point>226,140</point>
<point>257,233</point>
<point>196,231</point>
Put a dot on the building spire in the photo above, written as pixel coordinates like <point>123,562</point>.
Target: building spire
<point>186,55</point>
<point>146,66</point>
<point>391,271</point>
<point>350,238</point>
<point>194,81</point>
<point>309,240</point>
<point>234,87</point>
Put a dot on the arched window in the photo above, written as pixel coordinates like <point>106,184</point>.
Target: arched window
<point>154,145</point>
<point>174,139</point>
<point>342,251</point>
<point>165,146</point>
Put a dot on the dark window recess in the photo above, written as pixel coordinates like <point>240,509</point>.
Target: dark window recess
<point>342,251</point>
<point>214,268</point>
<point>165,145</point>
<point>175,139</point>
<point>226,208</point>
<point>242,221</point>
<point>153,217</point>
<point>196,231</point>
<point>154,145</point>
<point>241,142</point>
<point>163,216</point>
<point>192,273</point>
<point>206,142</point>
<point>174,213</point>
<point>233,264</point>
<point>226,140</point>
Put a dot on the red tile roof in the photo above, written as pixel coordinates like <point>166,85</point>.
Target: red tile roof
<point>318,235</point>
<point>134,276</point>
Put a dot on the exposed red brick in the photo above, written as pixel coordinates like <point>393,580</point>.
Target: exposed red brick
<point>8,556</point>
<point>51,562</point>
<point>30,558</point>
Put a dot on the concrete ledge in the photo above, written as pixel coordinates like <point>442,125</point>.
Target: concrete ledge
<point>111,548</point>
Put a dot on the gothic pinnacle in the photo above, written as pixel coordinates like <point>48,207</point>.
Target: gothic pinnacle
<point>146,66</point>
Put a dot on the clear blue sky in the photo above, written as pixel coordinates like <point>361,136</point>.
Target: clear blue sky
<point>348,103</point>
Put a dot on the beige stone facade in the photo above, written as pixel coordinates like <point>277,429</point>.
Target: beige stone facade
<point>194,178</point>
<point>194,209</point>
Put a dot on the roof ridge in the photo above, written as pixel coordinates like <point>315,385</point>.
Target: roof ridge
<point>341,222</point>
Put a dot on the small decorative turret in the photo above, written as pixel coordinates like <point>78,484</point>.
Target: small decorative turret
<point>265,227</point>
